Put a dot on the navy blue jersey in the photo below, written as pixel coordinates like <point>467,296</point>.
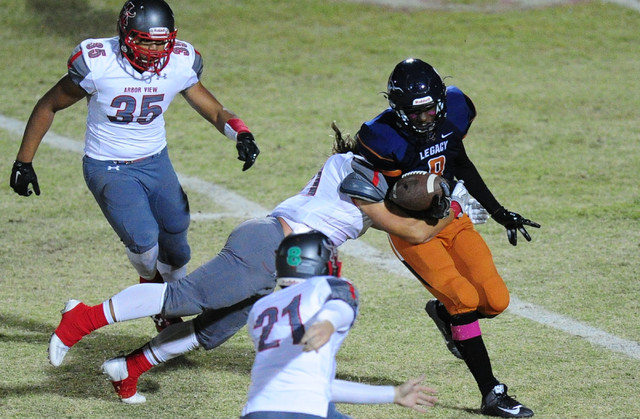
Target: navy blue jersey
<point>395,150</point>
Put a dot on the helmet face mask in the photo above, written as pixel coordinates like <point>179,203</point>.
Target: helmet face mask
<point>302,256</point>
<point>415,88</point>
<point>147,34</point>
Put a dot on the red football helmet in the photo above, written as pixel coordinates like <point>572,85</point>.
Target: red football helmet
<point>142,24</point>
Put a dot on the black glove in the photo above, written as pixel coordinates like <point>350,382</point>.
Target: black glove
<point>22,175</point>
<point>247,149</point>
<point>440,204</point>
<point>513,222</point>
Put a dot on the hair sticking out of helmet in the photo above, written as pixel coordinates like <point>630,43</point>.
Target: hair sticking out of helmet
<point>302,256</point>
<point>416,93</point>
<point>147,34</point>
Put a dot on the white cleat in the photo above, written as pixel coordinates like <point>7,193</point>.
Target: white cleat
<point>116,371</point>
<point>57,349</point>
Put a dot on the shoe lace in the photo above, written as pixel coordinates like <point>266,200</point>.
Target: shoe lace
<point>506,401</point>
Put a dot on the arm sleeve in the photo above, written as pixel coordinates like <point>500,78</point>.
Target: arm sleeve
<point>358,393</point>
<point>467,171</point>
<point>339,313</point>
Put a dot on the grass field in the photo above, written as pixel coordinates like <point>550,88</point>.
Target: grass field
<point>556,139</point>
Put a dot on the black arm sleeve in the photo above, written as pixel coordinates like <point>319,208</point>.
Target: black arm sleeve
<point>466,170</point>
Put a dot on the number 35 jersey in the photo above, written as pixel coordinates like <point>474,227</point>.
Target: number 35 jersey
<point>283,377</point>
<point>126,108</point>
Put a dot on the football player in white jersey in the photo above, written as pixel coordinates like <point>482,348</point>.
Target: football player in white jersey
<point>342,200</point>
<point>297,333</point>
<point>129,81</point>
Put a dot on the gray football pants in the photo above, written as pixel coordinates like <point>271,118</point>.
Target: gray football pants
<point>223,290</point>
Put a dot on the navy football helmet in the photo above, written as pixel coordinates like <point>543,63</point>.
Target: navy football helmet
<point>302,256</point>
<point>415,87</point>
<point>142,22</point>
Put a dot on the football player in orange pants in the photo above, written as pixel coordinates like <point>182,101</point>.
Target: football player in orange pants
<point>423,129</point>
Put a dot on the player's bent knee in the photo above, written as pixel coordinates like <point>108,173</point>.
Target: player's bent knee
<point>176,255</point>
<point>214,327</point>
<point>497,298</point>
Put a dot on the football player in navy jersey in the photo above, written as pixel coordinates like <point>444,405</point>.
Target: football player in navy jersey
<point>129,81</point>
<point>423,129</point>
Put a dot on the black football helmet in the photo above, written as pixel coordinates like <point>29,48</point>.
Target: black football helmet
<point>151,21</point>
<point>301,256</point>
<point>415,87</point>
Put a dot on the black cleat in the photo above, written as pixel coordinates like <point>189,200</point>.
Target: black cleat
<point>162,322</point>
<point>443,326</point>
<point>499,403</point>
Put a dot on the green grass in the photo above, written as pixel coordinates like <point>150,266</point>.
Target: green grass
<point>556,139</point>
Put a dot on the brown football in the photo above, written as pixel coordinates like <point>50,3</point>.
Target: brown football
<point>414,191</point>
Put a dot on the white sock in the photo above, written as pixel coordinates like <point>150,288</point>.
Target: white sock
<point>171,273</point>
<point>175,340</point>
<point>137,301</point>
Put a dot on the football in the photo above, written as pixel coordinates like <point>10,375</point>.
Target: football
<point>415,191</point>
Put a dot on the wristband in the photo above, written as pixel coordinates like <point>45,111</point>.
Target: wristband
<point>456,208</point>
<point>233,127</point>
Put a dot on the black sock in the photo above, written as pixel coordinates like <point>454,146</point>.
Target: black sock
<point>475,355</point>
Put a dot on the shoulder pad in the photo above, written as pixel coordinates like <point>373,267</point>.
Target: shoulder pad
<point>76,66</point>
<point>344,290</point>
<point>364,182</point>
<point>460,109</point>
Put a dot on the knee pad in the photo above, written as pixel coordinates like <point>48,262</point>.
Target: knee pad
<point>497,298</point>
<point>144,263</point>
<point>174,249</point>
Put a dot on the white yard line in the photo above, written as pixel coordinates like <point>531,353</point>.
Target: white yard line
<point>497,6</point>
<point>238,206</point>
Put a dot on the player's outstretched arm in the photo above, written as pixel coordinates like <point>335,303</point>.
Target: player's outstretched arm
<point>415,396</point>
<point>225,121</point>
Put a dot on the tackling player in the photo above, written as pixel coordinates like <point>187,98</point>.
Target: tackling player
<point>297,333</point>
<point>129,81</point>
<point>342,200</point>
<point>423,129</point>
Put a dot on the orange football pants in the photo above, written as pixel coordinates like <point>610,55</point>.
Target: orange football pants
<point>457,268</point>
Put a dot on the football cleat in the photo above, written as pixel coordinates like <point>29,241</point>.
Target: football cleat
<point>57,349</point>
<point>499,403</point>
<point>164,322</point>
<point>116,371</point>
<point>443,326</point>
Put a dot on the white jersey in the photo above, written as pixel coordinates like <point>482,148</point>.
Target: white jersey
<point>283,377</point>
<point>321,206</point>
<point>125,118</point>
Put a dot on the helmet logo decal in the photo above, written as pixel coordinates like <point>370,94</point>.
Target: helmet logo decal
<point>423,101</point>
<point>128,11</point>
<point>159,32</point>
<point>293,256</point>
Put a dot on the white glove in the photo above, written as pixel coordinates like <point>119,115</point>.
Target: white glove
<point>476,212</point>
<point>461,195</point>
